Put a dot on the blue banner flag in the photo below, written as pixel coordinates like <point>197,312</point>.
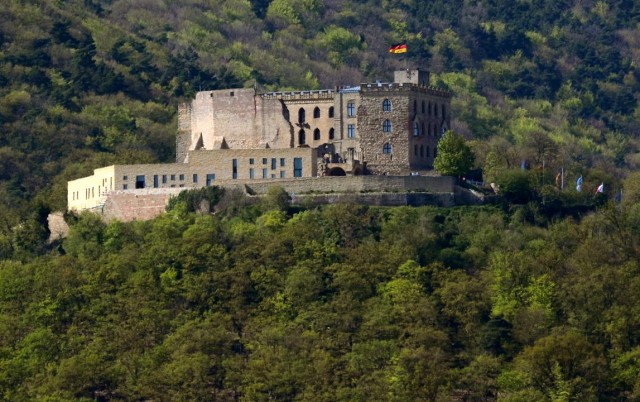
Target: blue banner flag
<point>579,184</point>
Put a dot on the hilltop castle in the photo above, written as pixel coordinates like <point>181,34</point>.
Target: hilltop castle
<point>240,135</point>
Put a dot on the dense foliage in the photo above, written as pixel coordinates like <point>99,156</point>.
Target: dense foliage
<point>88,83</point>
<point>344,302</point>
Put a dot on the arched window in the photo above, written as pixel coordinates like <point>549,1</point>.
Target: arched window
<point>386,126</point>
<point>301,116</point>
<point>386,149</point>
<point>301,137</point>
<point>415,150</point>
<point>331,111</point>
<point>416,129</point>
<point>316,112</point>
<point>427,151</point>
<point>421,151</point>
<point>435,110</point>
<point>429,108</point>
<point>415,106</point>
<point>423,109</point>
<point>422,128</point>
<point>386,105</point>
<point>331,133</point>
<point>316,134</point>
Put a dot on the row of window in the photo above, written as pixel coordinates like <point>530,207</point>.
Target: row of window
<point>316,114</point>
<point>275,163</point>
<point>302,136</point>
<point>431,109</point>
<point>421,150</point>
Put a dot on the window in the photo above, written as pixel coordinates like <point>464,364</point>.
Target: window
<point>265,174</point>
<point>442,114</point>
<point>252,173</point>
<point>331,133</point>
<point>301,116</point>
<point>423,108</point>
<point>125,178</point>
<point>435,110</point>
<point>140,181</point>
<point>210,178</point>
<point>282,162</point>
<point>415,106</point>
<point>422,128</point>
<point>125,186</point>
<point>282,174</point>
<point>182,177</point>
<point>331,111</point>
<point>274,163</point>
<point>173,177</point>
<point>427,151</point>
<point>386,126</point>
<point>386,105</point>
<point>195,177</point>
<point>231,93</point>
<point>351,109</point>
<point>264,161</point>
<point>251,161</point>
<point>164,179</point>
<point>235,168</point>
<point>429,108</point>
<point>387,148</point>
<point>301,137</point>
<point>415,150</point>
<point>316,112</point>
<point>297,167</point>
<point>351,130</point>
<point>416,129</point>
<point>316,134</point>
<point>421,151</point>
<point>156,184</point>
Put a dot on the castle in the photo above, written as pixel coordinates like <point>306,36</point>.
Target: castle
<point>239,135</point>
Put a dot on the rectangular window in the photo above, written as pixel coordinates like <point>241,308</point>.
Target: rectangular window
<point>235,169</point>
<point>281,162</point>
<point>282,174</point>
<point>210,178</point>
<point>264,161</point>
<point>195,177</point>
<point>125,186</point>
<point>251,161</point>
<point>252,173</point>
<point>173,177</point>
<point>351,109</point>
<point>156,183</point>
<point>265,174</point>
<point>273,163</point>
<point>164,179</point>
<point>140,181</point>
<point>351,130</point>
<point>297,167</point>
<point>181,177</point>
<point>125,178</point>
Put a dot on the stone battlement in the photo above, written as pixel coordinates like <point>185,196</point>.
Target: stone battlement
<point>300,95</point>
<point>397,87</point>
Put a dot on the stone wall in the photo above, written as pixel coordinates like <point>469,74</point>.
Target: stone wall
<point>142,205</point>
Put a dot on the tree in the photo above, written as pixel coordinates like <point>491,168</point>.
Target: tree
<point>455,157</point>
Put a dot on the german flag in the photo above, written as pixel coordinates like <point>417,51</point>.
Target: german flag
<point>399,48</point>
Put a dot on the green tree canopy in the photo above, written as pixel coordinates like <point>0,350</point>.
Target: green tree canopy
<point>455,157</point>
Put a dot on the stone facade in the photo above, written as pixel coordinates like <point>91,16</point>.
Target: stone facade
<point>232,136</point>
<point>381,128</point>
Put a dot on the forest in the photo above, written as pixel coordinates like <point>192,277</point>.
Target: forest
<point>533,298</point>
<point>272,302</point>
